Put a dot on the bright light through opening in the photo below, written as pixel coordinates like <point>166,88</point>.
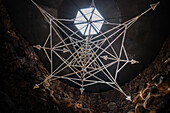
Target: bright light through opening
<point>89,21</point>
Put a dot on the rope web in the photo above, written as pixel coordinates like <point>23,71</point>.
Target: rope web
<point>87,57</point>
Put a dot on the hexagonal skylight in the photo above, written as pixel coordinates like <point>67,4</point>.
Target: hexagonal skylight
<point>89,21</point>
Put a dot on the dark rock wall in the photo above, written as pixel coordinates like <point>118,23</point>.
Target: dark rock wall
<point>20,70</point>
<point>150,90</point>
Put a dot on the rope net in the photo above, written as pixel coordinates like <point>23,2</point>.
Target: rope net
<point>87,57</point>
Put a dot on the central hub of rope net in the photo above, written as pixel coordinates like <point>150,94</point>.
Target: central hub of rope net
<point>90,60</point>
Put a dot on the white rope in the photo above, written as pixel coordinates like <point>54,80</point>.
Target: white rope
<point>87,58</point>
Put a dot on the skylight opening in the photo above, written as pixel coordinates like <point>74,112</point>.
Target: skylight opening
<point>89,21</point>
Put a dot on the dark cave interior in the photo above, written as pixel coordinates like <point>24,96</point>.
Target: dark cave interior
<point>22,66</point>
